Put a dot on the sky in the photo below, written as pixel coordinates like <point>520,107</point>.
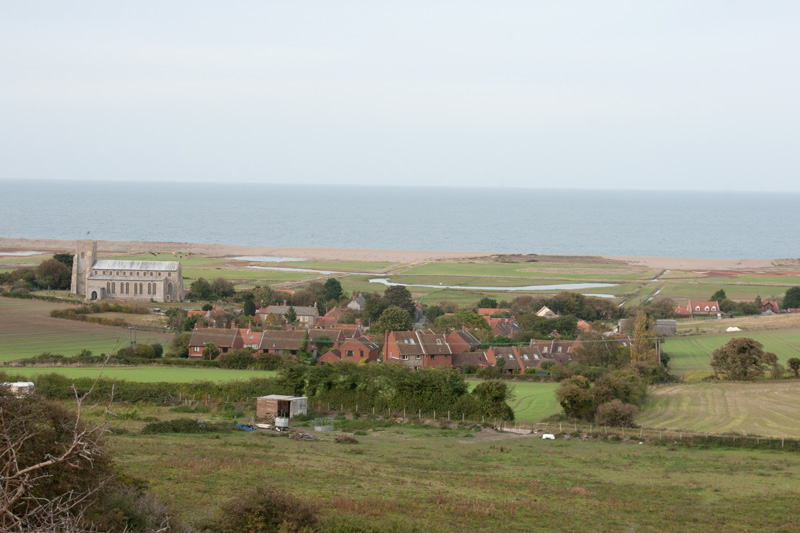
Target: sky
<point>574,94</point>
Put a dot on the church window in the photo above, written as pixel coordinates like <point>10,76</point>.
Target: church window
<point>108,286</point>
<point>135,289</point>
<point>141,288</point>
<point>113,286</point>
<point>148,288</point>
<point>169,288</point>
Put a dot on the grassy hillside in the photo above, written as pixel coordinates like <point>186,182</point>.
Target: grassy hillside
<point>409,479</point>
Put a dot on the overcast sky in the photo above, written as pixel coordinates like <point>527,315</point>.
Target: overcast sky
<point>647,95</point>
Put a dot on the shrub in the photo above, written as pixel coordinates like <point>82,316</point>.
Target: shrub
<point>616,413</point>
<point>777,371</point>
<point>267,509</point>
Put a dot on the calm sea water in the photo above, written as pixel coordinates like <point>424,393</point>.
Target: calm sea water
<point>635,223</point>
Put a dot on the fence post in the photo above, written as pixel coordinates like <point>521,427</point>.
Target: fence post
<point>448,415</point>
<point>462,417</point>
<point>781,442</point>
<point>404,412</point>
<point>373,410</point>
<point>434,415</point>
<point>356,408</point>
<point>419,414</point>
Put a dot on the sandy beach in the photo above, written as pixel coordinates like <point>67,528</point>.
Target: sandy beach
<point>339,254</point>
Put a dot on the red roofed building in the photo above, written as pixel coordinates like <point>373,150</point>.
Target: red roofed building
<point>698,308</point>
<point>353,350</point>
<point>418,349</point>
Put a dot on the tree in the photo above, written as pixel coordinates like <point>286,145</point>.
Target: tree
<point>249,307</point>
<point>201,290</point>
<point>207,307</point>
<point>52,274</point>
<point>487,302</point>
<point>433,312</point>
<point>500,363</point>
<point>158,350</point>
<point>393,319</point>
<point>180,344</point>
<point>794,364</point>
<point>462,319</point>
<point>576,398</point>
<point>290,315</point>
<point>52,464</point>
<point>791,299</point>
<point>145,351</point>
<point>399,296</point>
<point>65,258</point>
<point>719,296</point>
<point>333,289</point>
<point>211,351</point>
<point>221,288</point>
<point>741,358</point>
<point>642,347</point>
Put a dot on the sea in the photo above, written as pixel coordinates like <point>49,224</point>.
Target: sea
<point>708,224</point>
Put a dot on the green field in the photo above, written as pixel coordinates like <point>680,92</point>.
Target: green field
<point>763,408</point>
<point>411,479</point>
<point>694,353</point>
<point>147,374</point>
<point>533,402</point>
<point>26,330</point>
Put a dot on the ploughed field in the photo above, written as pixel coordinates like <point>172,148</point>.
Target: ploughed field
<point>26,330</point>
<point>768,408</point>
<point>407,478</point>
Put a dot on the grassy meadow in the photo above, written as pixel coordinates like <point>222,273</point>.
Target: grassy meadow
<point>407,478</point>
<point>692,353</point>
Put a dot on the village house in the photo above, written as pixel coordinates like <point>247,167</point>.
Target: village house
<point>329,319</point>
<point>546,312</point>
<point>469,359</point>
<point>698,308</point>
<point>306,315</point>
<point>462,340</point>
<point>353,351</point>
<point>357,304</point>
<point>417,349</point>
<point>224,339</point>
<point>506,327</point>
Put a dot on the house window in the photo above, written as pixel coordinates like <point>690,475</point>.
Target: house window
<point>510,356</point>
<point>525,356</point>
<point>405,358</point>
<point>418,357</point>
<point>348,353</point>
<point>439,342</point>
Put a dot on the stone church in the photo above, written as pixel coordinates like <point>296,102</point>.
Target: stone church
<point>161,281</point>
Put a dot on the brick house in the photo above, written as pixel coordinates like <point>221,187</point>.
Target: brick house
<point>306,316</point>
<point>224,339</point>
<point>353,350</point>
<point>462,340</point>
<point>417,349</point>
<point>698,308</point>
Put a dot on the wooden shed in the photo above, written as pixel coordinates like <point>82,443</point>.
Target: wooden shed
<point>276,405</point>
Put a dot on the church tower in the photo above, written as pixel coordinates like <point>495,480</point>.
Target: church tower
<point>85,256</point>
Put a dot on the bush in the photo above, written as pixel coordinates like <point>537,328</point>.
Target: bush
<point>267,509</point>
<point>186,425</point>
<point>616,413</point>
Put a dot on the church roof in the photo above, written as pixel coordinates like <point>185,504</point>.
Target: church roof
<point>135,265</point>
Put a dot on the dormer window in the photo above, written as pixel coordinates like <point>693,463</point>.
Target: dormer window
<point>439,342</point>
<point>706,308</point>
<point>697,308</point>
<point>713,307</point>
